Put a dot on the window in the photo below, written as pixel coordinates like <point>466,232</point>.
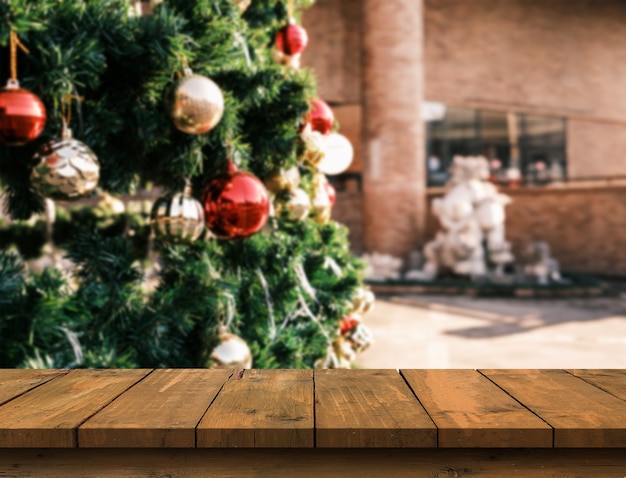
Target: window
<point>520,148</point>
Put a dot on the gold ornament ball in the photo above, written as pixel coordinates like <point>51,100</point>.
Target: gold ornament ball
<point>281,180</point>
<point>231,352</point>
<point>196,104</point>
<point>363,301</point>
<point>177,218</point>
<point>344,353</point>
<point>242,4</point>
<point>297,208</point>
<point>67,169</point>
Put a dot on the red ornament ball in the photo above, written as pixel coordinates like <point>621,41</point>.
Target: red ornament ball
<point>22,115</point>
<point>236,205</point>
<point>332,194</point>
<point>320,117</point>
<point>291,39</point>
<point>348,323</point>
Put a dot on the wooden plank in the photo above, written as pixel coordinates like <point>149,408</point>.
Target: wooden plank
<point>369,408</point>
<point>49,415</point>
<point>582,415</point>
<point>314,463</point>
<point>14,382</point>
<point>612,381</point>
<point>261,408</point>
<point>160,411</point>
<point>470,411</point>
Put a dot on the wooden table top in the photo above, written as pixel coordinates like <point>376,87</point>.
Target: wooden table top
<point>197,408</point>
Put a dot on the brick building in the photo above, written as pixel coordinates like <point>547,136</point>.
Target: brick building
<point>537,86</point>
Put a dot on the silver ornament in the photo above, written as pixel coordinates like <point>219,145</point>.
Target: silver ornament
<point>231,352</point>
<point>66,169</point>
<point>196,104</point>
<point>177,218</point>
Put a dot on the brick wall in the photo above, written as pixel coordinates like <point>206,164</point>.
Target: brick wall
<point>550,57</point>
<point>585,226</point>
<point>348,211</point>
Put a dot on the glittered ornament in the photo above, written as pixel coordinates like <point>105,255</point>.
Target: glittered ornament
<point>296,208</point>
<point>22,115</point>
<point>236,204</point>
<point>66,169</point>
<point>321,207</point>
<point>360,337</point>
<point>291,39</point>
<point>282,180</point>
<point>363,301</point>
<point>231,352</point>
<point>313,147</point>
<point>177,218</point>
<point>320,117</point>
<point>196,104</point>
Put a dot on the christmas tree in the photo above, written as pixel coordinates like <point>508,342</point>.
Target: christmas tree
<point>195,101</point>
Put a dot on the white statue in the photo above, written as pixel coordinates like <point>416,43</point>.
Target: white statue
<point>471,213</point>
<point>541,267</point>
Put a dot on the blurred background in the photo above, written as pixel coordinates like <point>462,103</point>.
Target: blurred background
<point>538,88</point>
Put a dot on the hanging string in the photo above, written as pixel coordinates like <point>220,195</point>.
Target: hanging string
<point>268,301</point>
<point>15,42</point>
<point>224,325</point>
<point>330,263</point>
<point>290,9</point>
<point>304,281</point>
<point>240,39</point>
<point>66,112</point>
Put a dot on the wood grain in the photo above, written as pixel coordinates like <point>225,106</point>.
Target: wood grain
<point>369,408</point>
<point>582,415</point>
<point>14,382</point>
<point>49,415</point>
<point>261,409</point>
<point>612,381</point>
<point>470,411</point>
<point>314,463</point>
<point>160,411</point>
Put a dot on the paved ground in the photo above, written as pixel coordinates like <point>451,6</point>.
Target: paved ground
<point>466,332</point>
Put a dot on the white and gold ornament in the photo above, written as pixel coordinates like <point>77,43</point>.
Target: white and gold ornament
<point>282,180</point>
<point>296,208</point>
<point>196,104</point>
<point>231,352</point>
<point>177,218</point>
<point>363,301</point>
<point>66,169</point>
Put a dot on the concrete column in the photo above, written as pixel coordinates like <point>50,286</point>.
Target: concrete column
<point>394,184</point>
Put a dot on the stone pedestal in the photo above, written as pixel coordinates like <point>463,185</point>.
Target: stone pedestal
<point>394,185</point>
